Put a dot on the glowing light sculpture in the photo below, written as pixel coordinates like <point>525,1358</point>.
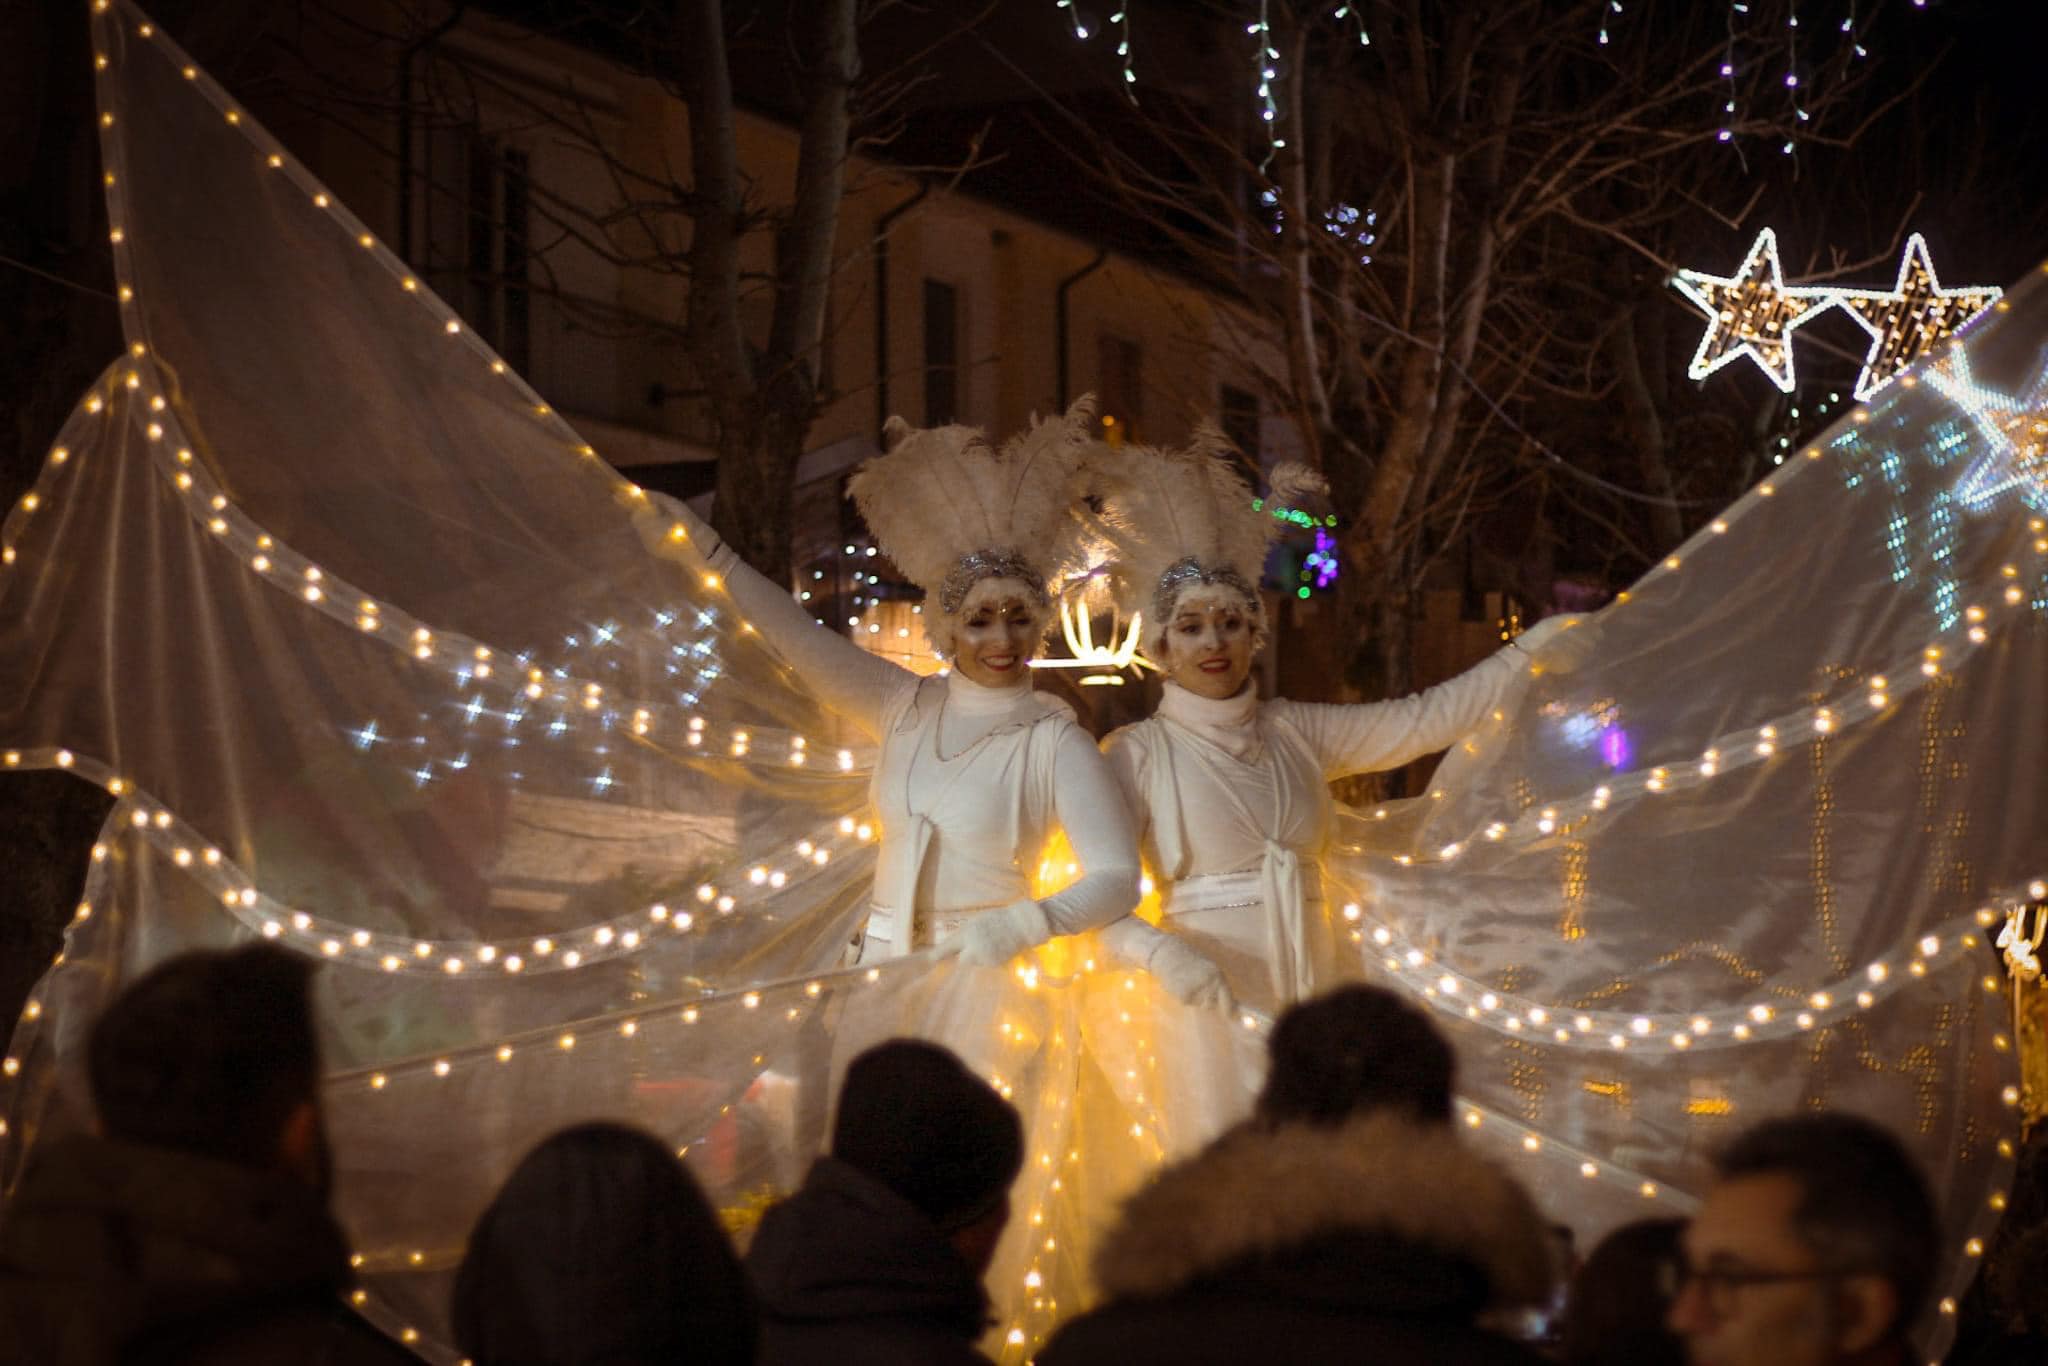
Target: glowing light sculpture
<point>1911,318</point>
<point>1751,313</point>
<point>1114,656</point>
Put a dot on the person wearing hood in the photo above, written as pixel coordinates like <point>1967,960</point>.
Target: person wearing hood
<point>600,1250</point>
<point>879,1257</point>
<point>193,1230</point>
<point>1345,1222</point>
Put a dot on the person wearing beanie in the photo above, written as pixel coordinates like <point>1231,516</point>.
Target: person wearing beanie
<point>1343,1222</point>
<point>878,1258</point>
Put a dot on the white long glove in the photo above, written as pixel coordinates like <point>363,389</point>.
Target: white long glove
<point>1561,644</point>
<point>993,938</point>
<point>1188,974</point>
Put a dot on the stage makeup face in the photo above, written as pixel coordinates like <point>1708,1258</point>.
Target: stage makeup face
<point>1001,624</point>
<point>1208,644</point>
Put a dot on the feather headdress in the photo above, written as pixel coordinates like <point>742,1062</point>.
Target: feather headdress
<point>1176,519</point>
<point>949,509</point>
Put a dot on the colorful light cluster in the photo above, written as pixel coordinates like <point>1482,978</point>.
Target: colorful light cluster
<point>1321,565</point>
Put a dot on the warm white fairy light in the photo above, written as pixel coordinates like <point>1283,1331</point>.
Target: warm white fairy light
<point>463,658</point>
<point>1858,701</point>
<point>566,950</point>
<point>1488,1001</point>
<point>1448,990</point>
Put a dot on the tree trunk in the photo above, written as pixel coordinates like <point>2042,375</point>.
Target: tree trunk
<point>764,396</point>
<point>1645,430</point>
<point>761,439</point>
<point>1377,561</point>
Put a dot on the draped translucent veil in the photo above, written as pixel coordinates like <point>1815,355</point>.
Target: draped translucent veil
<point>383,663</point>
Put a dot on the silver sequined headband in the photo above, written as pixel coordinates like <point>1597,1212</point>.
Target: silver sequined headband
<point>977,565</point>
<point>1184,574</point>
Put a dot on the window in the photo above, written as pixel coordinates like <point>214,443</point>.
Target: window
<point>497,249</point>
<point>1239,416</point>
<point>1120,384</point>
<point>941,353</point>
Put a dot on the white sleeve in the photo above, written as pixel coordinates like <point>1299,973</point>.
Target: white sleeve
<point>1091,811</point>
<point>1369,737</point>
<point>847,679</point>
<point>1126,759</point>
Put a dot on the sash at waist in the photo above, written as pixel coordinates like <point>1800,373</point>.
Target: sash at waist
<point>1226,891</point>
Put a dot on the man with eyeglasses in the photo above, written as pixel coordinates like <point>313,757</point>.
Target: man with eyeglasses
<point>1816,1247</point>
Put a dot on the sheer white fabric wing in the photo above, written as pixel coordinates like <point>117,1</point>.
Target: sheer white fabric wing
<point>375,656</point>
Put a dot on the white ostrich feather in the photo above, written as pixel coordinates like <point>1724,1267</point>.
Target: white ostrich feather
<point>939,494</point>
<point>1292,483</point>
<point>1162,506</point>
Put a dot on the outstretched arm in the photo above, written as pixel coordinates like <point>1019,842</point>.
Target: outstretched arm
<point>1373,736</point>
<point>846,678</point>
<point>849,680</point>
<point>1369,737</point>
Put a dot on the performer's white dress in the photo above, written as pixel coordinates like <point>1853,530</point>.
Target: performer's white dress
<point>1233,804</point>
<point>969,782</point>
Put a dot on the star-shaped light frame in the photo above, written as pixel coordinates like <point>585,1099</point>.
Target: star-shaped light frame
<point>2014,427</point>
<point>1751,313</point>
<point>1911,318</point>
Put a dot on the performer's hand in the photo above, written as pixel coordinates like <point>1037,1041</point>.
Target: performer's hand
<point>1561,644</point>
<point>993,938</point>
<point>1189,975</point>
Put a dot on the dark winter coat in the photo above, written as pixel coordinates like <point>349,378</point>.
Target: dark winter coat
<point>850,1273</point>
<point>1376,1244</point>
<point>114,1253</point>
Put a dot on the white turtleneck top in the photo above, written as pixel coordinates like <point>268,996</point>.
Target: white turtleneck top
<point>1232,803</point>
<point>968,784</point>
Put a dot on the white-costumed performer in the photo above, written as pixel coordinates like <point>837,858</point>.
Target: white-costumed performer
<point>1230,793</point>
<point>974,768</point>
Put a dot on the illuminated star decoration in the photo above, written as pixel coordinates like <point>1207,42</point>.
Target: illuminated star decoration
<point>2015,430</point>
<point>1751,313</point>
<point>1908,320</point>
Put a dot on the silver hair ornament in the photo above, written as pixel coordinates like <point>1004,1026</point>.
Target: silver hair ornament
<point>1184,574</point>
<point>977,565</point>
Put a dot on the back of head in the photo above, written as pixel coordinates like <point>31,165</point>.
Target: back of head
<point>600,1248</point>
<point>1353,1051</point>
<point>915,1119</point>
<point>1864,1206</point>
<point>1615,1313</point>
<point>209,1053</point>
